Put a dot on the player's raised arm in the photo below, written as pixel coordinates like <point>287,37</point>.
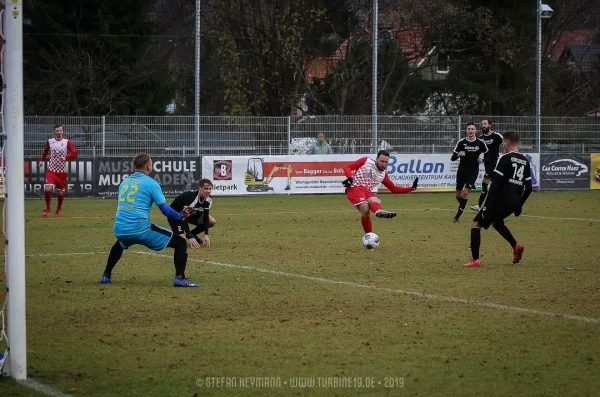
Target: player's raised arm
<point>350,168</point>
<point>387,182</point>
<point>161,202</point>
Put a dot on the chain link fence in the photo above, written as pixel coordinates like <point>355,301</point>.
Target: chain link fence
<point>183,136</point>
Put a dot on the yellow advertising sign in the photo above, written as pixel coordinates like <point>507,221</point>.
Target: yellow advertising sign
<point>595,171</point>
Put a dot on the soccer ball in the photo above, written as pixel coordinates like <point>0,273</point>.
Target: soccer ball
<point>370,241</point>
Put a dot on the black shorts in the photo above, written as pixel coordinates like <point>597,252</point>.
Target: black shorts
<point>178,226</point>
<point>466,178</point>
<point>494,213</point>
<point>490,166</point>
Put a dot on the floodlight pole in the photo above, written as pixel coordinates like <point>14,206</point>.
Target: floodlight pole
<point>374,34</point>
<point>15,191</point>
<point>538,79</point>
<point>197,80</point>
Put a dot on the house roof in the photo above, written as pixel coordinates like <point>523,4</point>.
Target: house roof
<point>584,55</point>
<point>560,43</point>
<point>409,41</point>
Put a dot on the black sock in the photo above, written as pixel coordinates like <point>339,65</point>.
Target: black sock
<point>475,242</point>
<point>484,190</point>
<point>461,207</point>
<point>180,255</point>
<point>504,232</point>
<point>115,254</point>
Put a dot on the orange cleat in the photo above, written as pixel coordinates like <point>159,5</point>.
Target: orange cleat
<point>57,213</point>
<point>45,212</point>
<point>518,253</point>
<point>473,263</point>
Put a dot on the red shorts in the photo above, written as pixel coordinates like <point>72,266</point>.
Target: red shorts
<point>58,179</point>
<point>358,194</point>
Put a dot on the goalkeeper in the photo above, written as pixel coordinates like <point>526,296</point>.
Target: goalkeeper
<point>132,225</point>
<point>199,203</point>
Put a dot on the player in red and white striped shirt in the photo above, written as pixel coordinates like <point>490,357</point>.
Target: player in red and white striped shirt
<point>362,176</point>
<point>61,150</point>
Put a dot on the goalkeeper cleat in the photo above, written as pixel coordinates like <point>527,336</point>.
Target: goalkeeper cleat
<point>473,263</point>
<point>385,214</point>
<point>518,253</point>
<point>45,212</point>
<point>475,207</point>
<point>181,281</point>
<point>105,279</point>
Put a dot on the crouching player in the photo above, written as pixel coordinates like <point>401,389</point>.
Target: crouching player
<point>199,202</point>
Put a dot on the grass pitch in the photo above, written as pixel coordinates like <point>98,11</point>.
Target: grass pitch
<point>291,303</point>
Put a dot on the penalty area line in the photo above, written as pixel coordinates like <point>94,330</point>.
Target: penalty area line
<point>42,388</point>
<point>349,211</point>
<point>66,254</point>
<point>440,298</point>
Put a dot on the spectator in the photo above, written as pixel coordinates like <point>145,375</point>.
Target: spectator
<point>320,146</point>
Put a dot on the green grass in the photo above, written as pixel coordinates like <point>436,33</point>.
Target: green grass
<point>139,336</point>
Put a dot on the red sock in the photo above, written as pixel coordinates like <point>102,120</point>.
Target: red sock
<point>366,224</point>
<point>375,207</point>
<point>48,197</point>
<point>61,197</point>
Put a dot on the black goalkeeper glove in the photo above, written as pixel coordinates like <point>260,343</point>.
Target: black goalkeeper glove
<point>187,212</point>
<point>415,183</point>
<point>348,182</point>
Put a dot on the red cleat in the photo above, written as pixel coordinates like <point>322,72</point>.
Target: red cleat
<point>518,253</point>
<point>473,263</point>
<point>57,213</point>
<point>45,212</point>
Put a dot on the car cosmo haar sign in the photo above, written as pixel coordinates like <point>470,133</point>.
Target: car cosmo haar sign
<point>568,171</point>
<point>296,174</point>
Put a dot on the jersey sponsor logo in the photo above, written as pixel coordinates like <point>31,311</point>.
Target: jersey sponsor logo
<point>565,167</point>
<point>222,170</point>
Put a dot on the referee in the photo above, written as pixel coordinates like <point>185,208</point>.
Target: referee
<point>199,202</point>
<point>467,150</point>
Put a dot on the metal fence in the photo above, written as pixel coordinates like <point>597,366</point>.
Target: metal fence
<point>188,135</point>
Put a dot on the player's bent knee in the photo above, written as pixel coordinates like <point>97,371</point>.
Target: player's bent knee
<point>48,187</point>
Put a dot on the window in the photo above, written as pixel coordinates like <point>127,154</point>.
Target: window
<point>443,65</point>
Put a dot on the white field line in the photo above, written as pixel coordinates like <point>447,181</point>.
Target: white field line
<point>67,254</point>
<point>322,212</point>
<point>42,388</point>
<point>440,298</point>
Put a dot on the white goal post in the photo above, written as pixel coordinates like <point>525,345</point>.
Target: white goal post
<point>15,365</point>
